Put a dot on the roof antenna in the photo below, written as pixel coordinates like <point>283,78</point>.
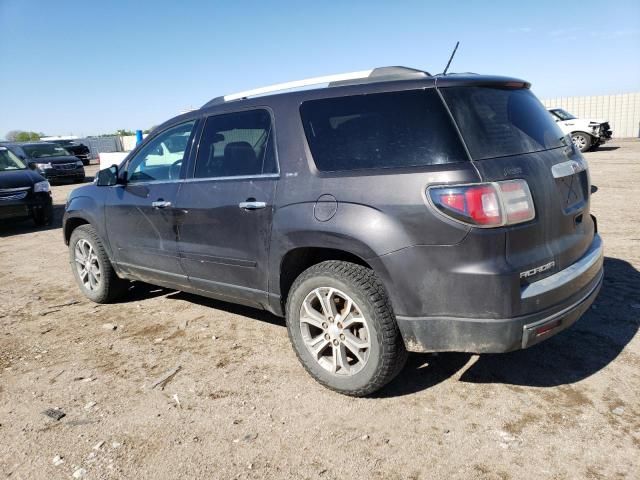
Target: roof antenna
<point>450,58</point>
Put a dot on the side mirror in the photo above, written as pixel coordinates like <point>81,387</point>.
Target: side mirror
<point>32,166</point>
<point>107,177</point>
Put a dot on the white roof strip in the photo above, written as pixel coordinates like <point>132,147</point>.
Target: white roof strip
<point>299,84</point>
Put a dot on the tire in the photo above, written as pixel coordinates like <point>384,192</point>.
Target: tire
<point>369,322</point>
<point>43,216</point>
<point>107,286</point>
<point>581,140</point>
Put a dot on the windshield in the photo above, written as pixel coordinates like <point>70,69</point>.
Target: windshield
<point>9,161</point>
<point>45,150</point>
<point>497,122</point>
<point>563,114</point>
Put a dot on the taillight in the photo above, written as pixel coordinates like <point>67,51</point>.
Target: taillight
<point>485,205</point>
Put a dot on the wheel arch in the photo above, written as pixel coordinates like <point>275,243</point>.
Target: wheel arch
<point>71,224</point>
<point>297,260</point>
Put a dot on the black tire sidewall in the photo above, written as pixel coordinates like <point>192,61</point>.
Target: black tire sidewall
<point>346,384</point>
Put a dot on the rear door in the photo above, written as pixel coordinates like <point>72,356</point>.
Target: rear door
<point>510,135</point>
<point>141,217</point>
<point>227,206</point>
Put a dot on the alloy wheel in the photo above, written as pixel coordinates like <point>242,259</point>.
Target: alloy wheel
<point>87,265</point>
<point>335,331</point>
<point>579,141</point>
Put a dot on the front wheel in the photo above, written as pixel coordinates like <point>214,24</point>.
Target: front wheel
<point>43,216</point>
<point>343,329</point>
<point>581,140</point>
<point>91,267</point>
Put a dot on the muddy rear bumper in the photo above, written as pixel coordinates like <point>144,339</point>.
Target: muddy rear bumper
<point>489,335</point>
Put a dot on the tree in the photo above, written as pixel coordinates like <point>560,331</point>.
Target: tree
<point>124,133</point>
<point>11,135</point>
<point>22,136</point>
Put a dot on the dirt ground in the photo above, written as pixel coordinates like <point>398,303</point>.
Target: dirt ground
<point>242,407</point>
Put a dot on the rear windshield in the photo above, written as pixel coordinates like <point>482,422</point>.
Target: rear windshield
<point>497,122</point>
<point>385,130</point>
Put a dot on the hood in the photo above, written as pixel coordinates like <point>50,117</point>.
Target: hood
<point>19,178</point>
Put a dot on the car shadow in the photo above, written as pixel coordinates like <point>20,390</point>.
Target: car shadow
<point>252,313</point>
<point>605,149</point>
<point>19,227</point>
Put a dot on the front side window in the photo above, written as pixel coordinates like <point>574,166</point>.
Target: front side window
<point>45,150</point>
<point>162,157</point>
<point>498,122</point>
<point>236,144</point>
<point>383,130</point>
<point>9,161</point>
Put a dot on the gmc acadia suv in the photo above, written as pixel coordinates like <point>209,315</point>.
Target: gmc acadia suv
<point>391,211</point>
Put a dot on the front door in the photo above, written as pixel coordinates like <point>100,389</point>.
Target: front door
<point>141,216</point>
<point>227,206</point>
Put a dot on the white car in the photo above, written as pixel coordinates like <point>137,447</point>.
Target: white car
<point>585,134</point>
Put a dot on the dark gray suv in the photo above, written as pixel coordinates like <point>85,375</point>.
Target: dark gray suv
<point>390,211</point>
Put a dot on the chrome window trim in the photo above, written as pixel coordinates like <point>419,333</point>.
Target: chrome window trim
<point>557,280</point>
<point>237,177</point>
<point>194,180</point>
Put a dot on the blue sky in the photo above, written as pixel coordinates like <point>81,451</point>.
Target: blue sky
<point>90,67</point>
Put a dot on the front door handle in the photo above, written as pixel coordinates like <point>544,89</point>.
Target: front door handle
<point>160,204</point>
<point>252,205</point>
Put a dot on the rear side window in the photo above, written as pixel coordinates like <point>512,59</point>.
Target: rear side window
<point>384,130</point>
<point>236,144</point>
<point>497,122</point>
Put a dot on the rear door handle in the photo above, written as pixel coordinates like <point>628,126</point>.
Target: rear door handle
<point>252,205</point>
<point>161,204</point>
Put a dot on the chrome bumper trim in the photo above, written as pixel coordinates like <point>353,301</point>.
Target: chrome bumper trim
<point>557,280</point>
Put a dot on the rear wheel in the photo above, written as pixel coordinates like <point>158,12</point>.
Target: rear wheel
<point>581,140</point>
<point>91,267</point>
<point>343,329</point>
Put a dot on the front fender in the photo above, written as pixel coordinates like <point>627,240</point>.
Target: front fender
<point>89,209</point>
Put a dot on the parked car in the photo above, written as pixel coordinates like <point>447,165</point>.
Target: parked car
<point>23,192</point>
<point>80,150</point>
<point>50,160</point>
<point>585,134</point>
<point>392,211</point>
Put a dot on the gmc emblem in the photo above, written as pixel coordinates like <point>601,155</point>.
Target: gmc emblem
<point>537,270</point>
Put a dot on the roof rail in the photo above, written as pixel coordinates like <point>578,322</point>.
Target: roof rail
<point>381,74</point>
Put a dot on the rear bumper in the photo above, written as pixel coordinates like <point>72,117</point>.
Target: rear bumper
<point>579,283</point>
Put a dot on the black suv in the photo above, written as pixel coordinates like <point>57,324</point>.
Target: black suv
<point>391,211</point>
<point>80,150</point>
<point>50,160</point>
<point>23,192</point>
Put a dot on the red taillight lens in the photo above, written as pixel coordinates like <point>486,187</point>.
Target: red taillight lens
<point>486,205</point>
<point>483,205</point>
